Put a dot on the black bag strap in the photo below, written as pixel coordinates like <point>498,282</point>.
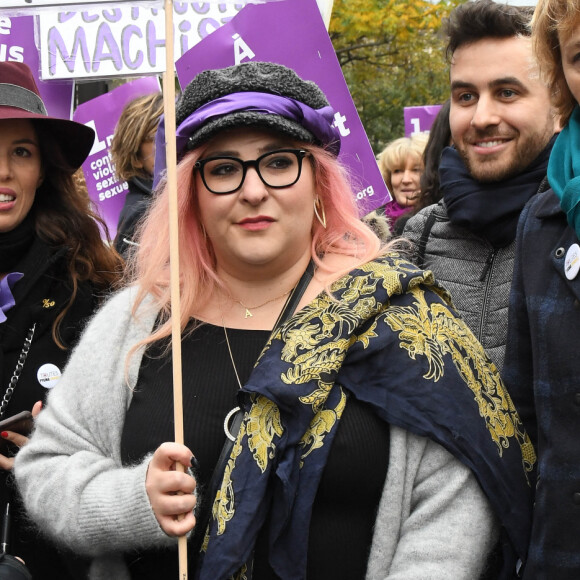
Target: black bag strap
<point>422,245</point>
<point>295,295</point>
<point>203,512</point>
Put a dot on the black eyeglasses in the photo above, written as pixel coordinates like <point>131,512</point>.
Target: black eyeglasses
<point>277,169</point>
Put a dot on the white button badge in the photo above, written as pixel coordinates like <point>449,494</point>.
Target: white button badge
<point>572,262</point>
<point>48,375</point>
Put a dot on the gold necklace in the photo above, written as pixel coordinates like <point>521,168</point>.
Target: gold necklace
<point>235,409</point>
<point>248,309</point>
<point>231,355</point>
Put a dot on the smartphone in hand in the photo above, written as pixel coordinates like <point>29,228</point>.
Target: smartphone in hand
<point>21,423</point>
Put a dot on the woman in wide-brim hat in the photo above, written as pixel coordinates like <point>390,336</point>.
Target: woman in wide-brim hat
<point>365,447</point>
<point>54,268</point>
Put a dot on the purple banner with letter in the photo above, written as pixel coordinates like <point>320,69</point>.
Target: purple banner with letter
<point>419,119</point>
<point>292,33</point>
<point>17,45</point>
<point>102,115</point>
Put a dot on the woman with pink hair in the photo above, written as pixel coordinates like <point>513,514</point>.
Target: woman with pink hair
<point>334,423</point>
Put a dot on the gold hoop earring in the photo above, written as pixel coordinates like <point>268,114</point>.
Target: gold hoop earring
<point>318,210</point>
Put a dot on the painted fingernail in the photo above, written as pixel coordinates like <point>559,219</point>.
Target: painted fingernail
<point>194,462</point>
<point>4,434</point>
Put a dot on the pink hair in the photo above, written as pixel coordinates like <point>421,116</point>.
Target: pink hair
<point>345,233</point>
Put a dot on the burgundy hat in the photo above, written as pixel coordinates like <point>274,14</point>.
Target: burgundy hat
<point>20,99</point>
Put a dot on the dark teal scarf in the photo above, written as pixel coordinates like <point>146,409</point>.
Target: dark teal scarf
<point>393,341</point>
<point>564,170</point>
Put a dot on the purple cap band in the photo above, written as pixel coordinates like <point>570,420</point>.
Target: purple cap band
<point>316,121</point>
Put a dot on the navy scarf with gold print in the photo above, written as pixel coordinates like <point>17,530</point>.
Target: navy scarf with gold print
<point>391,339</point>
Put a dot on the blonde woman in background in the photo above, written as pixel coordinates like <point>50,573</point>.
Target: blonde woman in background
<point>401,165</point>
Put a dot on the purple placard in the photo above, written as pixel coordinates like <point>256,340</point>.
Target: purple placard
<point>17,44</point>
<point>102,115</point>
<point>292,33</point>
<point>419,119</point>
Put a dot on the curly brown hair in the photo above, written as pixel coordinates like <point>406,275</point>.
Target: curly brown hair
<point>64,217</point>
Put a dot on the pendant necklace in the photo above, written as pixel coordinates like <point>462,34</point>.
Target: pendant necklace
<point>302,283</point>
<point>235,409</point>
<point>248,309</point>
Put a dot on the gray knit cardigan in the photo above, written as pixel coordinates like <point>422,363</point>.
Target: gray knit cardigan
<point>433,521</point>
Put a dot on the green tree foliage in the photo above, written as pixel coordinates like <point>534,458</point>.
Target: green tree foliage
<point>392,56</point>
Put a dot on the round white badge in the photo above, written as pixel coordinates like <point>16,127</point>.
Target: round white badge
<point>572,262</point>
<point>48,375</point>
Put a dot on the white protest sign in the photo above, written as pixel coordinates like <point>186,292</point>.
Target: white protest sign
<point>51,3</point>
<point>28,4</point>
<point>122,41</point>
<point>83,39</point>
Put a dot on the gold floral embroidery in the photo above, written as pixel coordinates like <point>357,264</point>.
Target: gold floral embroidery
<point>263,423</point>
<point>241,574</point>
<point>224,504</point>
<point>430,331</point>
<point>260,425</point>
<point>320,426</point>
<point>316,342</point>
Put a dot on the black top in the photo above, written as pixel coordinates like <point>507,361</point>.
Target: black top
<point>340,536</point>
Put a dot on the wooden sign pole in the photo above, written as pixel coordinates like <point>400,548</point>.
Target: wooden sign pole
<point>171,157</point>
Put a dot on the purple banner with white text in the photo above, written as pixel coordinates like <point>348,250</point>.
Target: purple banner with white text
<point>292,33</point>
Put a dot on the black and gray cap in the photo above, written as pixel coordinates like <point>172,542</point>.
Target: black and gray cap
<point>239,96</point>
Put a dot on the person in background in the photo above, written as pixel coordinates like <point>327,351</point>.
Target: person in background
<point>439,138</point>
<point>375,439</point>
<point>133,155</point>
<point>502,124</point>
<point>401,165</point>
<point>54,270</point>
<point>542,366</point>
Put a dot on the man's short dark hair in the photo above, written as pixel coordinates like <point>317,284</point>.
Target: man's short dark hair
<point>481,19</point>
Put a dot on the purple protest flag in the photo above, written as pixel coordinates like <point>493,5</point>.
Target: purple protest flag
<point>419,119</point>
<point>102,114</point>
<point>17,44</point>
<point>292,33</point>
